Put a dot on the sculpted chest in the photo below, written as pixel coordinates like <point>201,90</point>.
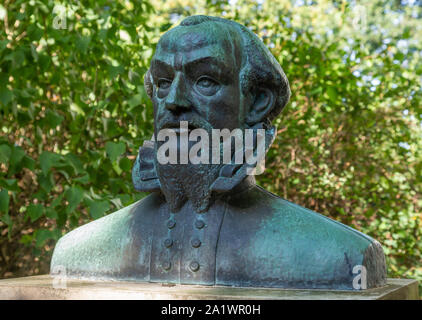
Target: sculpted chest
<point>248,240</point>
<point>180,247</point>
<point>253,239</point>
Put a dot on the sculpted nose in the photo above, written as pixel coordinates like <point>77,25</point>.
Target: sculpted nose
<point>177,98</point>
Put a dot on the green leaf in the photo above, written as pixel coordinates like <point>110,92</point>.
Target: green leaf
<point>75,162</point>
<point>48,160</point>
<point>114,150</point>
<point>98,208</point>
<point>57,201</point>
<point>51,213</point>
<point>114,71</point>
<point>34,33</point>
<point>4,208</point>
<point>83,179</point>
<point>44,61</point>
<point>135,101</point>
<point>16,157</point>
<point>332,94</point>
<point>5,153</point>
<point>26,239</point>
<point>52,119</point>
<point>5,96</point>
<point>10,184</point>
<point>41,236</point>
<point>4,201</point>
<point>125,199</point>
<point>41,6</point>
<point>18,57</point>
<point>28,162</point>
<point>3,44</point>
<point>74,196</point>
<point>125,164</point>
<point>7,220</point>
<point>35,211</point>
<point>45,181</point>
<point>117,203</point>
<point>116,168</point>
<point>82,44</point>
<point>77,108</point>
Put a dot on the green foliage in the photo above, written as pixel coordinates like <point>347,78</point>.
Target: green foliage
<point>74,112</point>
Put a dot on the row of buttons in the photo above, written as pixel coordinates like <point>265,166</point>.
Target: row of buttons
<point>196,243</point>
<point>194,266</point>
<point>199,224</point>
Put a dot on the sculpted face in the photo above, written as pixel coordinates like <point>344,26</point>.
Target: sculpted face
<point>195,76</point>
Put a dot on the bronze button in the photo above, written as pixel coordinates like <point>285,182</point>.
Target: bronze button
<point>194,266</point>
<point>199,224</point>
<point>196,243</point>
<point>171,224</point>
<point>166,265</point>
<point>168,243</point>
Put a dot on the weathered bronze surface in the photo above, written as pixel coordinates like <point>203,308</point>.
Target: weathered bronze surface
<point>210,224</point>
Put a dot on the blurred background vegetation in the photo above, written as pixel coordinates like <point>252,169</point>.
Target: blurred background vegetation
<point>73,113</point>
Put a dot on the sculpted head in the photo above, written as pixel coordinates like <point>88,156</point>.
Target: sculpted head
<point>215,70</point>
<point>214,74</point>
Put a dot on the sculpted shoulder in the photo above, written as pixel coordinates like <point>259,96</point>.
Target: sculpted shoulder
<point>101,248</point>
<point>285,245</point>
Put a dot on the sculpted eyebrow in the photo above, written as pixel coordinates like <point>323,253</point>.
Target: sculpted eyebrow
<point>159,67</point>
<point>201,65</point>
<point>210,64</point>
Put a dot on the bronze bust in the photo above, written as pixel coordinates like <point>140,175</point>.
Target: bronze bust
<point>210,224</point>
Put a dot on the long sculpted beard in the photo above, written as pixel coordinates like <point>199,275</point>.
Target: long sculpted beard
<point>182,182</point>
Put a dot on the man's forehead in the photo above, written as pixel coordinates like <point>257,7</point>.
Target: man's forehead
<point>188,38</point>
<point>185,44</point>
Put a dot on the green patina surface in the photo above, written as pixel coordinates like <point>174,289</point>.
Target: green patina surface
<point>96,247</point>
<point>298,230</point>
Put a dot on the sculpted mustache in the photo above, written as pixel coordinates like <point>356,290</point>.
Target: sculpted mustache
<point>193,123</point>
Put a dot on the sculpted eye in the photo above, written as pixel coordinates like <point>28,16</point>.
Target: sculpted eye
<point>207,86</point>
<point>206,82</point>
<point>164,84</point>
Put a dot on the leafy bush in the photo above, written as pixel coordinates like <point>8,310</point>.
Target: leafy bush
<point>74,112</point>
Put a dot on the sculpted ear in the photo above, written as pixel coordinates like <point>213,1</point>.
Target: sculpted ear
<point>263,103</point>
<point>148,84</point>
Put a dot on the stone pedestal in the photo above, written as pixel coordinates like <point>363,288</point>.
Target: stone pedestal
<point>47,288</point>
